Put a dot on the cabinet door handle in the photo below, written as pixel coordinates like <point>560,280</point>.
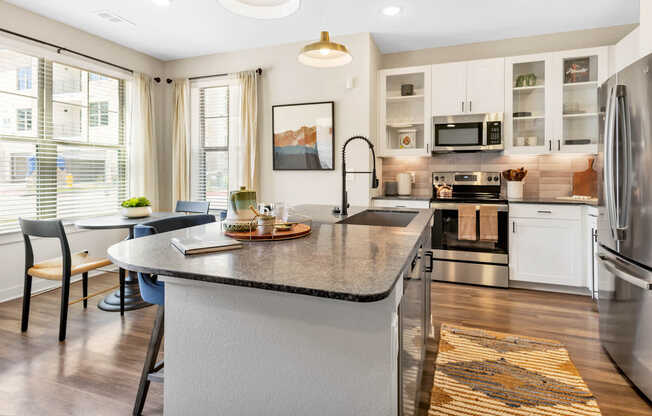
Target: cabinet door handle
<point>462,105</point>
<point>470,106</point>
<point>558,145</point>
<point>513,227</point>
<point>550,145</point>
<point>544,212</point>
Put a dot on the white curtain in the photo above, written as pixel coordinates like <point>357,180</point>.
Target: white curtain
<point>180,154</point>
<point>144,160</point>
<point>247,148</point>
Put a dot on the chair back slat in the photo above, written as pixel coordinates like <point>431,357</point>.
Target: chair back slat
<point>45,229</point>
<point>193,207</point>
<point>164,225</point>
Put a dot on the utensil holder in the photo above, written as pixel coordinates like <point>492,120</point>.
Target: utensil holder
<point>514,189</point>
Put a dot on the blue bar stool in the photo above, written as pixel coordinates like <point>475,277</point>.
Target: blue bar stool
<point>153,292</point>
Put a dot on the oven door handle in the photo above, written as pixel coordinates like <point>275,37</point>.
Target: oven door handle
<point>454,206</point>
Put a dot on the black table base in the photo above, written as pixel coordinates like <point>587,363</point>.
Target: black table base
<point>133,301</point>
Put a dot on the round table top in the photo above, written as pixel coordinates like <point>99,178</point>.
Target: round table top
<point>118,221</point>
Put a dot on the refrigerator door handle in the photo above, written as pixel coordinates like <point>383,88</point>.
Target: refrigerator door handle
<point>609,125</point>
<point>612,266</point>
<point>624,152</point>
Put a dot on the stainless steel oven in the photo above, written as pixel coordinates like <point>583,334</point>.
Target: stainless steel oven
<point>468,133</point>
<point>469,261</point>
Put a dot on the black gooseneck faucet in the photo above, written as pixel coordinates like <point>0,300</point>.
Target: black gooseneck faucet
<point>374,179</point>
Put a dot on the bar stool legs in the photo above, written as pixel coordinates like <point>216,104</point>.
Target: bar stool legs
<point>85,288</point>
<point>27,295</point>
<point>150,361</point>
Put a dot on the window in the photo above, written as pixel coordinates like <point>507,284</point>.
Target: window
<point>24,119</point>
<point>63,151</point>
<point>210,146</point>
<point>24,78</point>
<point>99,114</point>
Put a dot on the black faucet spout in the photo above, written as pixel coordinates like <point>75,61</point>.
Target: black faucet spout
<point>374,178</point>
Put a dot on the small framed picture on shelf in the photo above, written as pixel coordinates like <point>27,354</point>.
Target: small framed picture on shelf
<point>577,70</point>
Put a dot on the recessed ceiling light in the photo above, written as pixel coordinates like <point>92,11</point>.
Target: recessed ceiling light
<point>391,10</point>
<point>163,3</point>
<point>262,9</point>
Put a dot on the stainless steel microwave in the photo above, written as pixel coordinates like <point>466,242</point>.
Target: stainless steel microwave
<point>468,133</point>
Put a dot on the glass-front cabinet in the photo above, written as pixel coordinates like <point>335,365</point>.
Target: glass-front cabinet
<point>580,74</point>
<point>527,118</point>
<point>405,100</point>
<point>552,101</point>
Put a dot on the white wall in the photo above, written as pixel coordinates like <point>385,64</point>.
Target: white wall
<point>11,246</point>
<point>625,52</point>
<point>285,81</point>
<point>645,45</point>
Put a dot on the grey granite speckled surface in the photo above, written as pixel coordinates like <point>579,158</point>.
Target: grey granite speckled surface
<point>349,262</point>
<point>537,200</point>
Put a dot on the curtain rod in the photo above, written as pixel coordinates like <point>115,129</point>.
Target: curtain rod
<point>61,48</point>
<point>259,71</point>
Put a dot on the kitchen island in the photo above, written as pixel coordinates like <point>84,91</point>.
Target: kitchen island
<point>333,323</point>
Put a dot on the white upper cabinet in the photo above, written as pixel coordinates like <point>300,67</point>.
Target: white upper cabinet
<point>405,99</point>
<point>448,89</point>
<point>552,101</point>
<point>472,87</point>
<point>485,86</point>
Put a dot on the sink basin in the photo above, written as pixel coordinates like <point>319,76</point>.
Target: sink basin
<point>381,218</point>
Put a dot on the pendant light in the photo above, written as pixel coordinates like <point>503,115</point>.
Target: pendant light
<point>325,54</point>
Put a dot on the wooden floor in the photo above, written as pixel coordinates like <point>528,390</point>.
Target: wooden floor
<point>570,319</point>
<point>96,371</point>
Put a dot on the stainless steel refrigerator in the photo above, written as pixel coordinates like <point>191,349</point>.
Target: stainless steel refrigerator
<point>625,221</point>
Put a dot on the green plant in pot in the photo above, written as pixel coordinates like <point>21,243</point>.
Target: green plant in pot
<point>139,207</point>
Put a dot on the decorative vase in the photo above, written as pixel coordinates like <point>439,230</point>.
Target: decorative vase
<point>136,212</point>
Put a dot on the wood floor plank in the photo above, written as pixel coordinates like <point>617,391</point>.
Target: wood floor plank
<point>570,319</point>
<point>96,371</point>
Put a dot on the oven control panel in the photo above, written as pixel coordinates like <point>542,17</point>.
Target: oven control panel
<point>466,178</point>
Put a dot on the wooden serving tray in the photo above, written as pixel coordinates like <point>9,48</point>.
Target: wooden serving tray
<point>297,231</point>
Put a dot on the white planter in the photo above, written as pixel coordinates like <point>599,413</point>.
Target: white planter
<point>136,212</point>
<point>514,189</point>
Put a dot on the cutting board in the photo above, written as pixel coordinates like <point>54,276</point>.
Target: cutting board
<point>585,183</point>
<point>297,231</point>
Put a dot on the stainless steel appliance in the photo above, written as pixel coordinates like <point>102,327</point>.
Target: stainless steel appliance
<point>625,222</point>
<point>414,327</point>
<point>468,133</point>
<point>467,261</point>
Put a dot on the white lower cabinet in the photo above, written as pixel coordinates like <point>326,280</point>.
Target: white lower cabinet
<point>546,245</point>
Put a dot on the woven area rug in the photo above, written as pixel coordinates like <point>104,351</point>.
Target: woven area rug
<point>482,372</point>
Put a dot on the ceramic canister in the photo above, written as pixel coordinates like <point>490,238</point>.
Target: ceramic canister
<point>404,183</point>
<point>239,203</point>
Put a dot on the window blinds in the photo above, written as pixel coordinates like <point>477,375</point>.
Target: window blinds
<point>210,151</point>
<point>63,151</point>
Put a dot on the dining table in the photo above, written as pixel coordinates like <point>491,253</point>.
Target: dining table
<point>133,300</point>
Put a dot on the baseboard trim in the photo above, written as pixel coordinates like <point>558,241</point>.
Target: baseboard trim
<point>39,286</point>
<point>571,290</point>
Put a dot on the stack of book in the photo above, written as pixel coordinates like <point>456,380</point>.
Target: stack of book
<point>193,245</point>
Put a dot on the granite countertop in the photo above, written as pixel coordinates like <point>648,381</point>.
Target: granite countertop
<point>355,263</point>
<point>405,197</point>
<point>565,201</point>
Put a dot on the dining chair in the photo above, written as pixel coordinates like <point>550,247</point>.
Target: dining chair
<point>153,292</point>
<point>60,268</point>
<point>193,207</point>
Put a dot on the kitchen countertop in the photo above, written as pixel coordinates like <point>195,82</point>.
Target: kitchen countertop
<point>355,263</point>
<point>405,198</point>
<point>539,200</point>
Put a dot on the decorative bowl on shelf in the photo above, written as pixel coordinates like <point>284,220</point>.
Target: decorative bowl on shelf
<point>136,212</point>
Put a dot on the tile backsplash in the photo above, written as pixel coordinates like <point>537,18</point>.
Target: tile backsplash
<point>548,176</point>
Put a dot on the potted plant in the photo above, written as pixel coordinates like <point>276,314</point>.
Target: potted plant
<point>136,207</point>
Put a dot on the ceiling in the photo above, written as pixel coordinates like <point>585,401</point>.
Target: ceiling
<point>199,27</point>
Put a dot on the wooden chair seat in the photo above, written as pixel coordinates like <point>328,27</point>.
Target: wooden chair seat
<point>81,262</point>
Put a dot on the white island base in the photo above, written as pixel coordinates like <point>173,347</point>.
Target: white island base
<point>233,350</point>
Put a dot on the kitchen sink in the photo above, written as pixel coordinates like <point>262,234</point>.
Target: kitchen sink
<point>382,218</point>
